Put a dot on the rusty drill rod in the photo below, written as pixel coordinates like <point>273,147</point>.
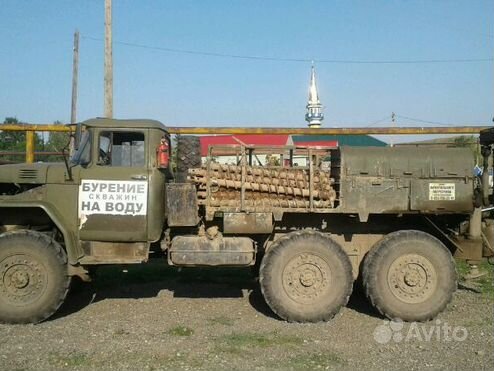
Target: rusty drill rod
<point>328,131</point>
<point>227,171</point>
<point>268,188</point>
<point>266,205</point>
<point>273,182</point>
<point>301,183</point>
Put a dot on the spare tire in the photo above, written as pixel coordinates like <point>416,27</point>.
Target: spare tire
<point>188,156</point>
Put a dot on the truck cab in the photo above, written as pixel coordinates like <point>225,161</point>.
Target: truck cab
<point>120,196</point>
<point>107,205</point>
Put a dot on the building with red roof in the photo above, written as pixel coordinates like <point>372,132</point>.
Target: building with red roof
<point>245,139</point>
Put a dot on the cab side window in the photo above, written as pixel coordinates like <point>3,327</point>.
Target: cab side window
<point>124,149</point>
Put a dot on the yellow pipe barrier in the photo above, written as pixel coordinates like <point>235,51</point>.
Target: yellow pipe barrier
<point>37,127</point>
<point>30,129</point>
<point>30,137</point>
<point>29,147</point>
<point>270,130</point>
<point>329,131</point>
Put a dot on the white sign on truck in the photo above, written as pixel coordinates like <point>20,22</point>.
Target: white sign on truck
<point>441,191</point>
<point>113,197</point>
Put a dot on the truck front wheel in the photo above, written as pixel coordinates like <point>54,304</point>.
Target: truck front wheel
<point>33,277</point>
<point>409,275</point>
<point>306,277</point>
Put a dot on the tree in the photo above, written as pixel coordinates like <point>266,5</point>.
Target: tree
<point>57,142</point>
<point>15,141</point>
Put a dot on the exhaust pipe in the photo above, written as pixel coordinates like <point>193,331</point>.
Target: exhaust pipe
<point>486,153</point>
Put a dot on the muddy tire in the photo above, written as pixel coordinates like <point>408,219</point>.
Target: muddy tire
<point>409,275</point>
<point>33,277</point>
<point>188,156</point>
<point>306,277</point>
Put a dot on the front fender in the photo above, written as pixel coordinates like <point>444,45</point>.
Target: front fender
<point>74,252</point>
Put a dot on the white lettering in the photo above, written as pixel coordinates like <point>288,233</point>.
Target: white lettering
<point>113,197</point>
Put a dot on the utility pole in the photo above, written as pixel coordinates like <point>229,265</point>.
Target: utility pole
<point>108,61</point>
<point>75,77</point>
<point>75,73</point>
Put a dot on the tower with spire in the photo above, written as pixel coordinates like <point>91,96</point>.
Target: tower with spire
<point>314,115</point>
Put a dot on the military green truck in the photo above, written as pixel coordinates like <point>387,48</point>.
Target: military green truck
<point>390,217</point>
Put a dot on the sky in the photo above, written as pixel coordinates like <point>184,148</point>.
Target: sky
<point>201,90</point>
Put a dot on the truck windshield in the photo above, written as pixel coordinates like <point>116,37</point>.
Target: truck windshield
<point>83,154</point>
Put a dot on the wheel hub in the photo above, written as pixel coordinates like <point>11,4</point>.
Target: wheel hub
<point>22,279</point>
<point>412,278</point>
<point>306,277</point>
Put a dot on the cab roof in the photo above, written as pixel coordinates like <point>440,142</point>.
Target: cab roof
<point>102,122</point>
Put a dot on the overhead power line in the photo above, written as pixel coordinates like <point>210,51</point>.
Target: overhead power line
<point>409,121</point>
<point>299,60</point>
<point>423,121</point>
<point>388,117</point>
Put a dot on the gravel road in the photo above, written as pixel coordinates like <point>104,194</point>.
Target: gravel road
<point>153,318</point>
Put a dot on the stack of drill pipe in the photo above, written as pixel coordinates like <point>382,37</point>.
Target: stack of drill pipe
<point>264,172</point>
<point>264,186</point>
<point>230,198</point>
<point>296,180</point>
<point>232,194</point>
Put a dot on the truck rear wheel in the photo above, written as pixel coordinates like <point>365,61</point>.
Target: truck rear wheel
<point>188,156</point>
<point>306,277</point>
<point>409,275</point>
<point>33,277</point>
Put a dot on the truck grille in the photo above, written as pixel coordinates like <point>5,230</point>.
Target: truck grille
<point>28,173</point>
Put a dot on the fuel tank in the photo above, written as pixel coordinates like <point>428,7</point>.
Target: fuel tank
<point>217,251</point>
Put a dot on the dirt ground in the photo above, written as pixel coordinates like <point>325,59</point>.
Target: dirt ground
<point>156,317</point>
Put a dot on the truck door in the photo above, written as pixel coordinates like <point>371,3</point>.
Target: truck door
<point>113,190</point>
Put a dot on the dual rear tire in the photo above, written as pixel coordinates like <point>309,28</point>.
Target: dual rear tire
<point>305,276</point>
<point>409,275</point>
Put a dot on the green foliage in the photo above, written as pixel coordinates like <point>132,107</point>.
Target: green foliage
<point>180,331</point>
<point>70,360</point>
<point>10,140</point>
<point>57,142</point>
<point>485,284</point>
<point>221,320</point>
<point>240,341</point>
<point>15,141</point>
